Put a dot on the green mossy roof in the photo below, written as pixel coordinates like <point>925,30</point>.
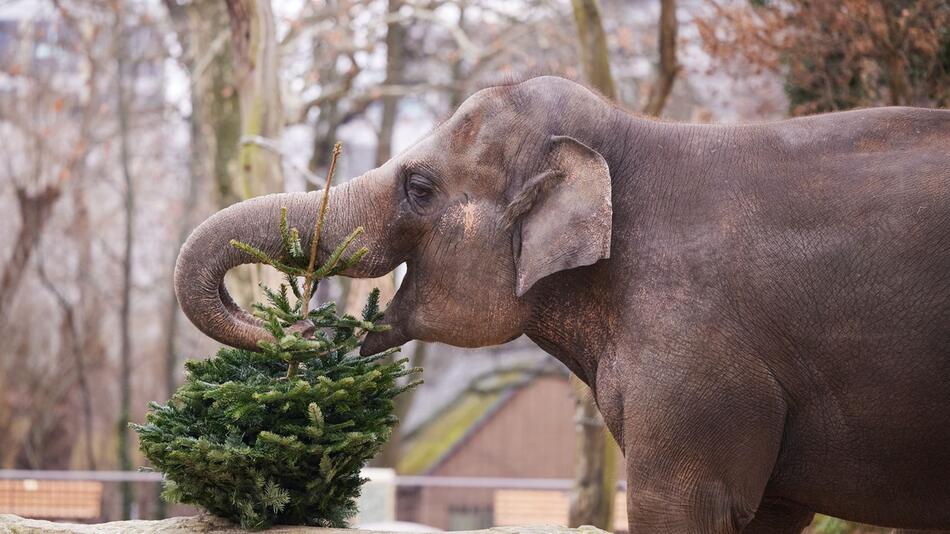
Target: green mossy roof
<point>436,439</point>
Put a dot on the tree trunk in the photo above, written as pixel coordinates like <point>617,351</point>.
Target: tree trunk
<point>256,68</point>
<point>595,468</point>
<point>125,309</point>
<point>83,321</point>
<point>595,479</point>
<point>324,137</point>
<point>395,43</point>
<point>458,92</point>
<point>668,68</point>
<point>896,77</point>
<point>595,483</point>
<point>256,61</point>
<point>395,65</point>
<point>196,173</point>
<point>34,214</point>
<point>595,59</point>
<point>324,131</point>
<point>203,30</point>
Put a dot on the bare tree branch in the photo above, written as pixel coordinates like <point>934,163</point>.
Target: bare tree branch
<point>374,93</point>
<point>73,346</point>
<point>468,48</point>
<point>208,57</point>
<point>34,215</point>
<point>274,146</point>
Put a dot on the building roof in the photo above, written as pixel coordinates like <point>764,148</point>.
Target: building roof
<point>450,371</point>
<point>437,439</point>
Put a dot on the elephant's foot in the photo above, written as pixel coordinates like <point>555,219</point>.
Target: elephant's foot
<point>668,513</point>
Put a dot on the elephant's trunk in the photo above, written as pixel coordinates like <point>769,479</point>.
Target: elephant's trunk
<point>207,254</point>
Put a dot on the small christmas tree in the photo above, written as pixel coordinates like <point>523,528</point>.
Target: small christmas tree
<point>280,435</point>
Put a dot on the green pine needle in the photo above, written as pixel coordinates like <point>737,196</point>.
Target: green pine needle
<point>280,435</point>
<point>327,269</point>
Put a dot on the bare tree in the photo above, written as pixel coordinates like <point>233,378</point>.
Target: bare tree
<point>254,51</point>
<point>47,126</point>
<point>35,200</point>
<point>834,56</point>
<point>596,462</point>
<point>202,31</point>
<point>71,348</point>
<point>125,306</point>
<point>668,66</point>
<point>35,208</point>
<point>202,28</point>
<point>395,43</point>
<point>256,63</point>
<point>595,57</point>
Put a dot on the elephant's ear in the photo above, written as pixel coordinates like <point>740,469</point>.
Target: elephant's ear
<point>564,214</point>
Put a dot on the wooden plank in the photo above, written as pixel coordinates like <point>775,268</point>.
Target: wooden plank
<point>51,499</point>
<point>528,507</point>
<point>540,507</point>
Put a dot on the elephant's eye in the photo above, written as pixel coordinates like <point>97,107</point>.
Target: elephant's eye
<point>420,189</point>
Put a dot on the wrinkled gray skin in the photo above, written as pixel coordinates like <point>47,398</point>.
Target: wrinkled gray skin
<point>762,311</point>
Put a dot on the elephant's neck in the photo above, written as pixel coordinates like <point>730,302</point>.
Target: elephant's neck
<point>570,319</point>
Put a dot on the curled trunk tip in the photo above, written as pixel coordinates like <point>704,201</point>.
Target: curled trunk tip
<point>208,255</point>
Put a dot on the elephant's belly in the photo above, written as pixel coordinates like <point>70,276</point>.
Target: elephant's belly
<point>880,465</point>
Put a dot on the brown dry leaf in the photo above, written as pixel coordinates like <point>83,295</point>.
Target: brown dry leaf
<point>835,55</point>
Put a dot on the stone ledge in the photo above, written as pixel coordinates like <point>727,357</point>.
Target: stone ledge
<point>208,524</point>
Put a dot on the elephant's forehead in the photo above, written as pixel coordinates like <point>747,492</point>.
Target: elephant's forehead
<point>464,131</point>
<point>473,141</point>
<point>479,146</point>
<point>483,117</point>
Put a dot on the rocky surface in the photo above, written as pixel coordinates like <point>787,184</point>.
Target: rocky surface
<point>206,524</point>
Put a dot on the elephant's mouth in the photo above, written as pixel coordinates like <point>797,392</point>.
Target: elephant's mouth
<point>379,341</point>
<point>397,317</point>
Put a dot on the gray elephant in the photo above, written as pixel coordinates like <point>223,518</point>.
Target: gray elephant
<point>762,310</point>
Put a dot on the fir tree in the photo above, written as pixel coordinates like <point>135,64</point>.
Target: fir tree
<point>280,435</point>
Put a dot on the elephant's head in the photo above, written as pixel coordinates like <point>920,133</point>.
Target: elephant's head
<point>480,210</point>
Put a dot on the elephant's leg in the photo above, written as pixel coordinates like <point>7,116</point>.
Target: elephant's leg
<point>695,496</point>
<point>708,508</point>
<point>701,436</point>
<point>778,516</point>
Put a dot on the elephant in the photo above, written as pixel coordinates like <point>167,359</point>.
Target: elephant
<point>762,311</point>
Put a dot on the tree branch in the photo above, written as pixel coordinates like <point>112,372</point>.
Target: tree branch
<point>468,48</point>
<point>274,147</point>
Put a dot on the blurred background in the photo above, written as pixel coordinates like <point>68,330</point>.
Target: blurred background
<point>123,124</point>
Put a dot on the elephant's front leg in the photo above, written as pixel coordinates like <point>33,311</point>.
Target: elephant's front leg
<point>701,436</point>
